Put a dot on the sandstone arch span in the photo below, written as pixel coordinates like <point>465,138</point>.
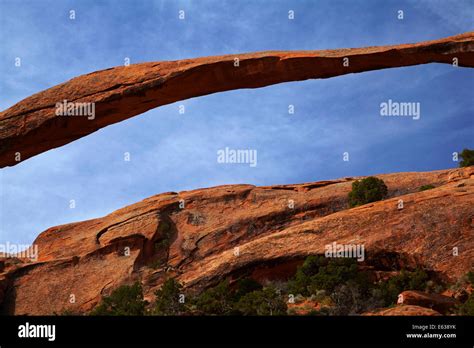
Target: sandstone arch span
<point>31,126</point>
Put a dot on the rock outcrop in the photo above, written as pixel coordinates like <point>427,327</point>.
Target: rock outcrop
<point>405,310</point>
<point>206,235</point>
<point>32,126</point>
<point>437,302</point>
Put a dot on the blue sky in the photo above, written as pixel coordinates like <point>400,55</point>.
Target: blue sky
<point>172,152</point>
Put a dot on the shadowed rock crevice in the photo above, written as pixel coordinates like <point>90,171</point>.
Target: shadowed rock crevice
<point>155,252</point>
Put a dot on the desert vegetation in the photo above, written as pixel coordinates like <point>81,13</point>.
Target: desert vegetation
<point>125,300</point>
<point>426,187</point>
<point>332,286</point>
<point>367,190</point>
<point>467,156</point>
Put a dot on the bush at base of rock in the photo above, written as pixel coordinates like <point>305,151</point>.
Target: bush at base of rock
<point>170,299</point>
<point>350,299</point>
<point>467,308</point>
<point>216,301</point>
<point>125,300</point>
<point>321,273</point>
<point>245,286</point>
<point>346,288</point>
<point>247,298</point>
<point>262,302</point>
<point>470,277</point>
<point>405,280</point>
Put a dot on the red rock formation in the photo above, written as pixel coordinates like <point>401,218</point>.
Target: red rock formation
<point>461,293</point>
<point>404,310</point>
<point>197,242</point>
<point>439,303</point>
<point>31,126</point>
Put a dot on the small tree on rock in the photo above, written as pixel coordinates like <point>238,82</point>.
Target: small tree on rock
<point>367,190</point>
<point>467,158</point>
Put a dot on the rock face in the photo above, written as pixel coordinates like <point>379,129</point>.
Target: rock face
<point>32,126</point>
<point>461,294</point>
<point>203,236</point>
<point>405,310</point>
<point>439,303</point>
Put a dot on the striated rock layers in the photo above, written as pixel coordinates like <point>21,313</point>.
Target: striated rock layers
<point>32,126</point>
<point>205,235</point>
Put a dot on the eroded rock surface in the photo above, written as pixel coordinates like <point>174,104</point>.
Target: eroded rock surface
<point>206,235</point>
<point>439,303</point>
<point>405,310</point>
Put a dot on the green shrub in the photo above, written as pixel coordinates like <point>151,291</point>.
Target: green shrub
<point>245,286</point>
<point>301,282</point>
<point>351,289</point>
<point>426,187</point>
<point>158,263</point>
<point>170,299</point>
<point>216,301</point>
<point>262,302</point>
<point>405,280</point>
<point>125,300</point>
<point>348,299</point>
<point>467,158</point>
<point>367,190</point>
<point>321,273</point>
<point>470,277</point>
<point>325,311</point>
<point>467,308</point>
<point>339,271</point>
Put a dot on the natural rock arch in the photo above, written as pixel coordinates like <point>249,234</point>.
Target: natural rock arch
<point>31,126</point>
